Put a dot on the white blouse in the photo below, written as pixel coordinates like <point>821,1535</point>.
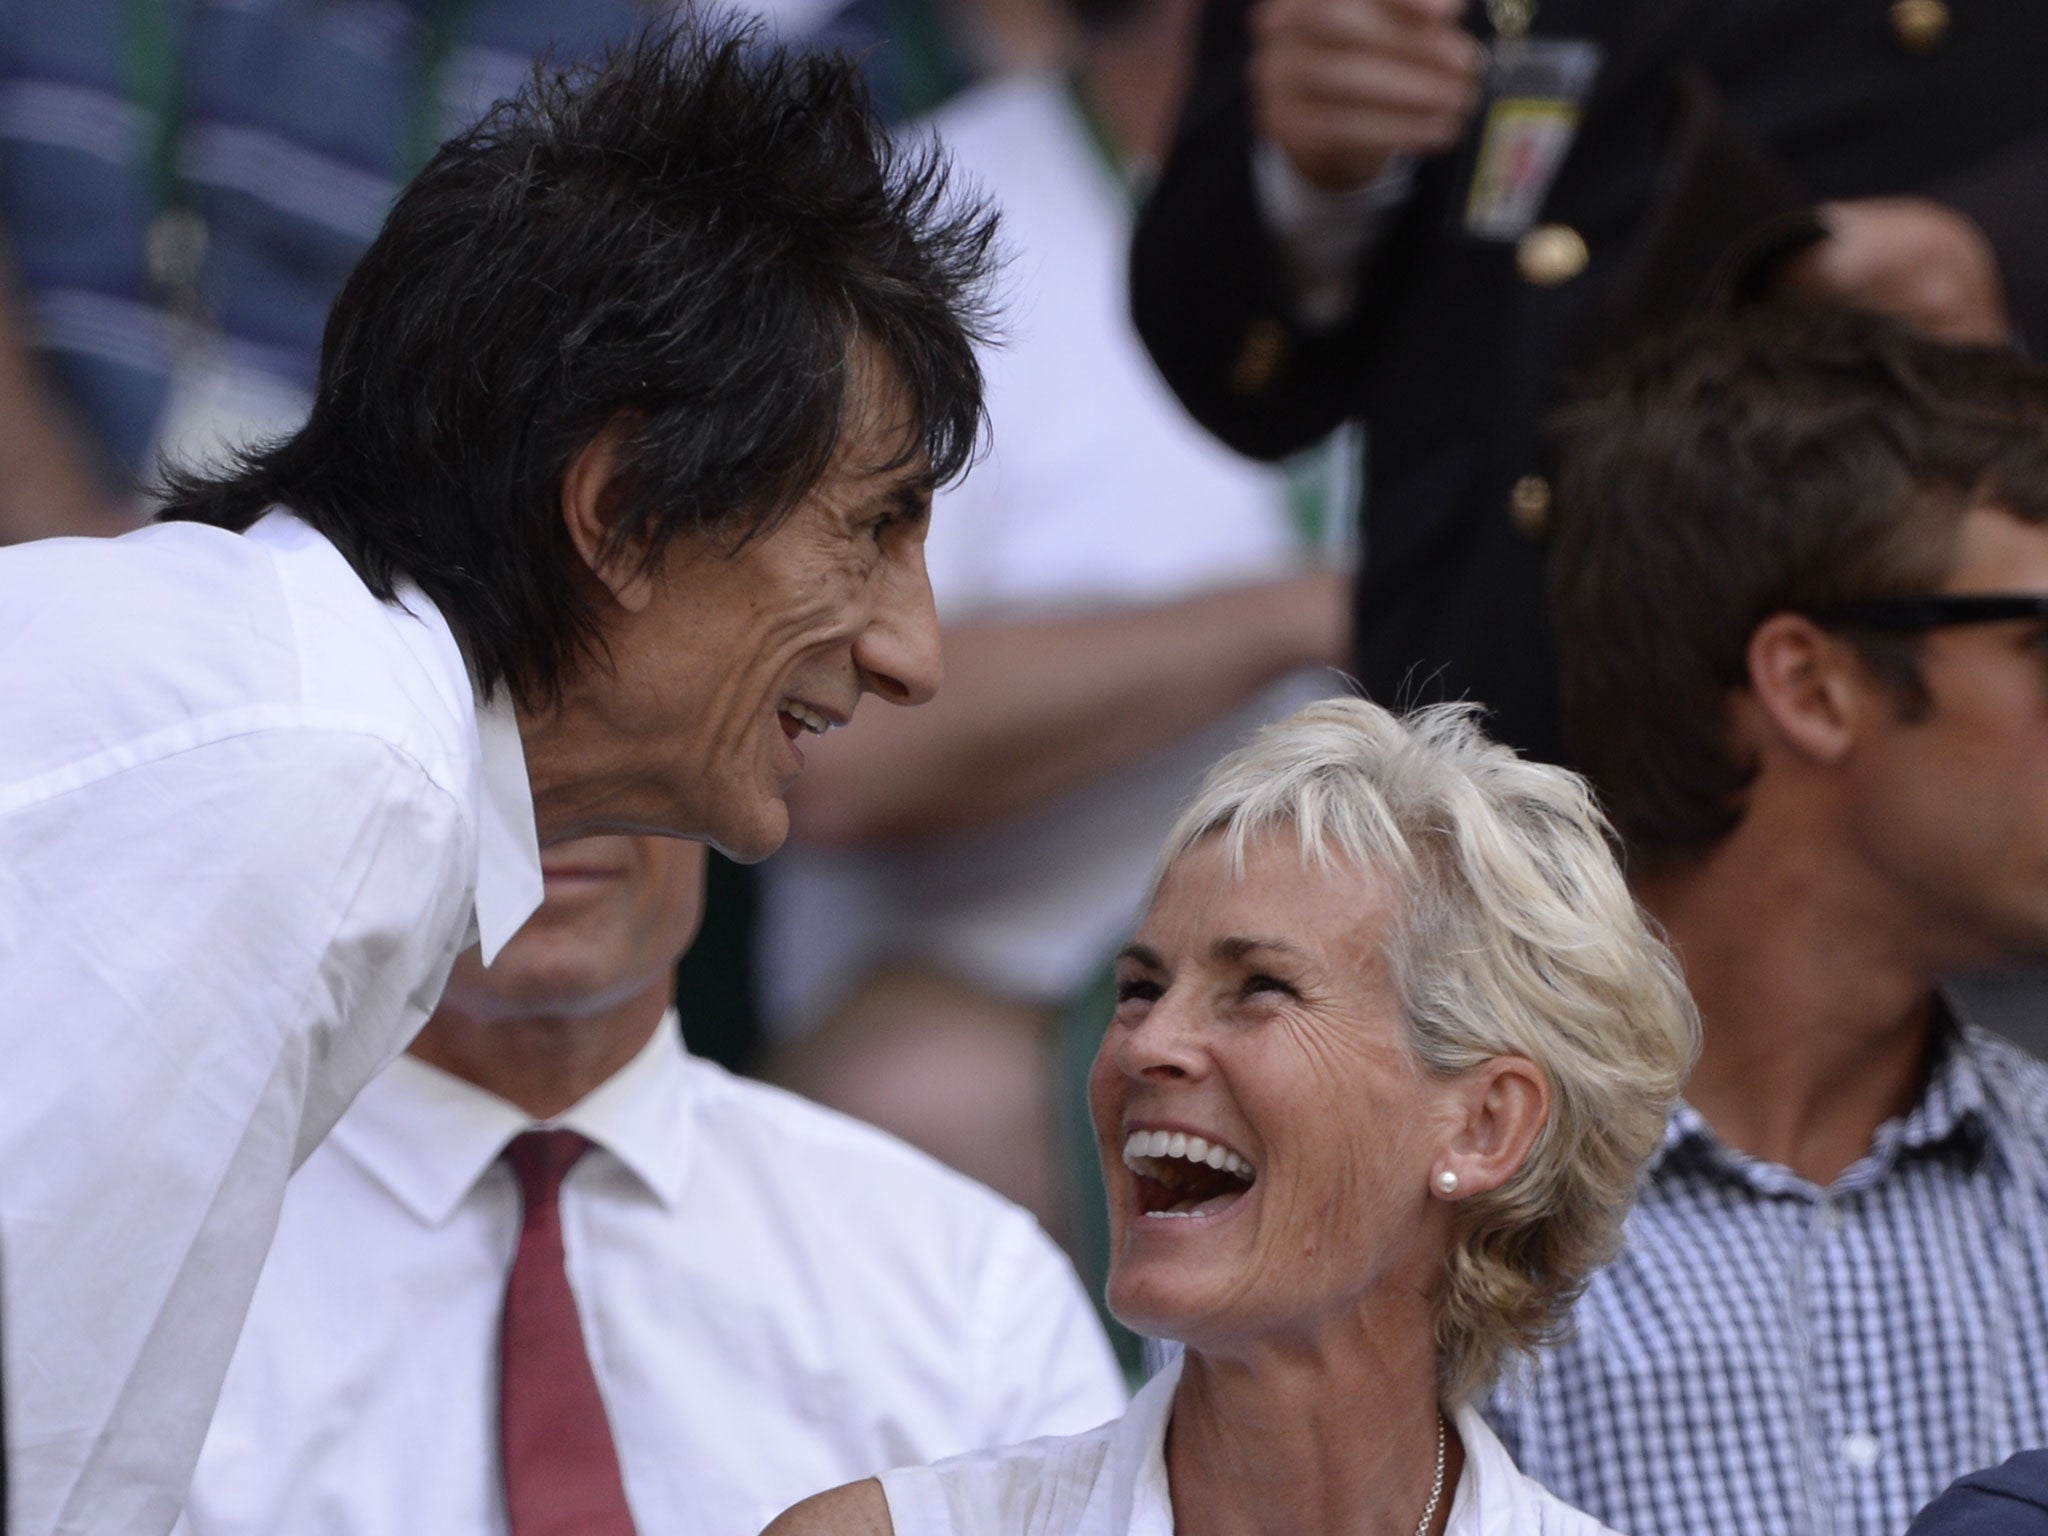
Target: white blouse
<point>1111,1481</point>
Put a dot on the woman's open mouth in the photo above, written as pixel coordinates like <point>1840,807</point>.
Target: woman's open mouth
<point>1184,1175</point>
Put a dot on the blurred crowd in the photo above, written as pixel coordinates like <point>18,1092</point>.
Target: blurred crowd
<point>1655,378</point>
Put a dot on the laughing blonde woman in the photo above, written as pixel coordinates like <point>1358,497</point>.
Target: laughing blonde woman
<point>1390,1048</point>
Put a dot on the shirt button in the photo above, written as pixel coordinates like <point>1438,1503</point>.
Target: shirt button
<point>1551,254</point>
<point>1918,26</point>
<point>1860,1449</point>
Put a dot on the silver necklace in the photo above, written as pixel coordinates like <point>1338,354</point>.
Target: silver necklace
<point>1436,1487</point>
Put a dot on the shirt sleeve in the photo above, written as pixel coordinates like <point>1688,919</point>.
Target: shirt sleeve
<point>1323,237</point>
<point>1044,1364</point>
<point>203,957</point>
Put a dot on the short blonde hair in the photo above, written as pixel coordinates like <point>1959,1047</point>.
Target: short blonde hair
<point>1513,934</point>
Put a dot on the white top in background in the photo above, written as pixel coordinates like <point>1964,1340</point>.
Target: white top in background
<point>1098,492</point>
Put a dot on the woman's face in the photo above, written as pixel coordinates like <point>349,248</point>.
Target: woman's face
<point>1256,1015</point>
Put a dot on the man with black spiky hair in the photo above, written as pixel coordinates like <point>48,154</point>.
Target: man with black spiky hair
<point>614,488</point>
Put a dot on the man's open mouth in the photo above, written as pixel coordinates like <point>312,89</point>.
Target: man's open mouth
<point>1183,1175</point>
<point>798,716</point>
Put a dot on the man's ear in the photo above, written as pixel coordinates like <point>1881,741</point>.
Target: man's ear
<point>1805,685</point>
<point>1503,1105</point>
<point>588,496</point>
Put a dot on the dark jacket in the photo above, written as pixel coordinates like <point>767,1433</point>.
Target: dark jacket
<point>2008,1500</point>
<point>1452,359</point>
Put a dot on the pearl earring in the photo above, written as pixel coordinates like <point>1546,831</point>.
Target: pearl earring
<point>1447,1183</point>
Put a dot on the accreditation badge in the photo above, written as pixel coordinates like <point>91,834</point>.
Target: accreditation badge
<point>1536,91</point>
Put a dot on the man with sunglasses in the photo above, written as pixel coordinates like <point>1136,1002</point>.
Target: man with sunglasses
<point>1800,588</point>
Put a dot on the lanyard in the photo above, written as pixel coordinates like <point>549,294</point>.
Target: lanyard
<point>154,39</point>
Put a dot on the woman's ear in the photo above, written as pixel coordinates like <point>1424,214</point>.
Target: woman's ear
<point>1501,1106</point>
<point>589,487</point>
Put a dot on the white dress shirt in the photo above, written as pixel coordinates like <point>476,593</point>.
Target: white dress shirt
<point>246,811</point>
<point>1112,1482</point>
<point>776,1300</point>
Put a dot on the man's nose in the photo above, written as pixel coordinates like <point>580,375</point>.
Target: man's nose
<point>898,653</point>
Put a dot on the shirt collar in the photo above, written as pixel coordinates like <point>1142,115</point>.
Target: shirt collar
<point>1954,1107</point>
<point>428,1136</point>
<point>641,1113</point>
<point>1135,1500</point>
<point>1491,1498</point>
<point>508,877</point>
<point>1955,1104</point>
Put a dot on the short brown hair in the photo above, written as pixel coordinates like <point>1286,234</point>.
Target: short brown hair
<point>1785,458</point>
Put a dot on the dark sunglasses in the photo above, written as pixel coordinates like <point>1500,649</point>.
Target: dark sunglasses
<point>1910,615</point>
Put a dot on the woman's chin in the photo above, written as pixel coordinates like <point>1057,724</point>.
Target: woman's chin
<point>1160,1301</point>
<point>1147,1314</point>
<point>1171,1269</point>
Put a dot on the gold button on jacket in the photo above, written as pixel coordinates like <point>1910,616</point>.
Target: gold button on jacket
<point>1529,506</point>
<point>1919,25</point>
<point>1259,357</point>
<point>1551,254</point>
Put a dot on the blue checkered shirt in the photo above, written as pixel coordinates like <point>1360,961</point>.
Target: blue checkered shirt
<point>1769,1357</point>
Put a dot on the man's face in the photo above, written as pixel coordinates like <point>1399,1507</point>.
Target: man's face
<point>1950,806</point>
<point>739,655</point>
<point>618,913</point>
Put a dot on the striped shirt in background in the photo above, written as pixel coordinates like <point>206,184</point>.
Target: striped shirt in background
<point>297,122</point>
<point>1769,1357</point>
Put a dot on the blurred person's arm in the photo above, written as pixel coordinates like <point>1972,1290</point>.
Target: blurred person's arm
<point>1300,128</point>
<point>47,482</point>
<point>1033,709</point>
<point>1343,88</point>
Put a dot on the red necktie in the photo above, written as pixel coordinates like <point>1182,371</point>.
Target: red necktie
<point>561,1468</point>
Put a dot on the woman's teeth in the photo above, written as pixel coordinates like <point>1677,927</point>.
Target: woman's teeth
<point>1178,1144</point>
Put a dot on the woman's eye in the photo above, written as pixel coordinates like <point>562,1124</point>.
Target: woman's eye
<point>1136,989</point>
<point>1261,982</point>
